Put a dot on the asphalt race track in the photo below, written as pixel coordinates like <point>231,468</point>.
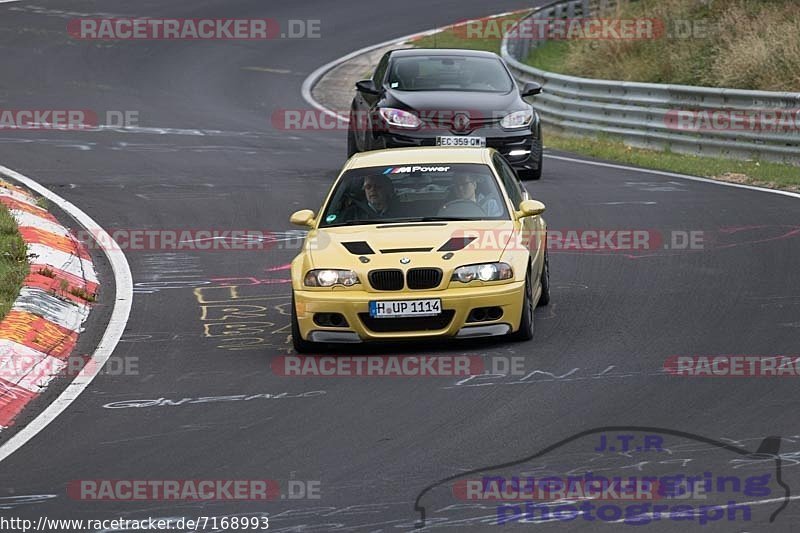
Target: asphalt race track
<point>373,444</point>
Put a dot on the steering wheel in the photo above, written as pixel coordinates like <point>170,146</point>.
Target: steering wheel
<point>352,197</point>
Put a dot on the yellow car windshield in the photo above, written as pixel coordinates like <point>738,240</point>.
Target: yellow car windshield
<point>446,191</point>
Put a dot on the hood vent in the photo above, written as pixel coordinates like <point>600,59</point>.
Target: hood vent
<point>358,248</point>
<point>456,243</point>
<point>403,250</point>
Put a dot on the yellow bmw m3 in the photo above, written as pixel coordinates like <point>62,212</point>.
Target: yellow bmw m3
<point>417,243</point>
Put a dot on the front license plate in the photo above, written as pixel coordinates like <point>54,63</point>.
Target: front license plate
<point>468,142</point>
<point>404,308</point>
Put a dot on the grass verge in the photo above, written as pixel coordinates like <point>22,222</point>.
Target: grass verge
<point>740,44</point>
<point>14,265</point>
<point>759,173</point>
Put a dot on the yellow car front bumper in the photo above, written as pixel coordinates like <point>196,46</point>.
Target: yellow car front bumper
<point>457,305</point>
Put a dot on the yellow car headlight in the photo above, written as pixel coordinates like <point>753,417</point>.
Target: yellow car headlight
<point>483,272</point>
<point>330,277</point>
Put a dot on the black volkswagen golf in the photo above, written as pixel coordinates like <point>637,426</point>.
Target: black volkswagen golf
<point>443,97</point>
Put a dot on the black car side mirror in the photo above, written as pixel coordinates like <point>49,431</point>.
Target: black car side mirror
<point>531,88</point>
<point>367,86</point>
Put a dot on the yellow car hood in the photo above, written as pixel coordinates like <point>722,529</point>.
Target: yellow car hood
<point>421,243</point>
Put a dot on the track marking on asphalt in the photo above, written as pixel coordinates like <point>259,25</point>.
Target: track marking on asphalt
<point>267,69</point>
<point>674,175</point>
<point>162,402</point>
<point>314,77</point>
<point>116,325</point>
<point>10,502</point>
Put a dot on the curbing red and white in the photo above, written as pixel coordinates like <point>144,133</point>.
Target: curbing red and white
<point>41,330</point>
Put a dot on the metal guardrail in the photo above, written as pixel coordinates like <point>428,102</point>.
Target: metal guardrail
<point>645,114</point>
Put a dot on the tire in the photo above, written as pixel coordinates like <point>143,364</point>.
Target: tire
<point>529,174</point>
<point>352,147</point>
<point>544,299</point>
<point>525,331</point>
<point>300,345</point>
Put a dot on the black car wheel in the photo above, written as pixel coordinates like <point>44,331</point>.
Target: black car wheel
<point>525,331</point>
<point>533,174</point>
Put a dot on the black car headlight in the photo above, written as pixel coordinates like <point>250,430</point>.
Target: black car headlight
<point>517,119</point>
<point>483,272</point>
<point>330,277</point>
<point>400,118</point>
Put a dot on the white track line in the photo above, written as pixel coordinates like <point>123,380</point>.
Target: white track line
<point>314,77</point>
<point>114,330</point>
<point>674,175</point>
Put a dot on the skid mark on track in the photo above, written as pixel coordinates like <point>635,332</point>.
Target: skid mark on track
<point>657,186</point>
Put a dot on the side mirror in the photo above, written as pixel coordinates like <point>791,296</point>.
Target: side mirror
<point>304,217</point>
<point>529,208</point>
<point>367,86</point>
<point>531,88</point>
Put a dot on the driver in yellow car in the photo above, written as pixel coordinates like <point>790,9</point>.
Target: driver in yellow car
<point>381,200</point>
<point>466,188</point>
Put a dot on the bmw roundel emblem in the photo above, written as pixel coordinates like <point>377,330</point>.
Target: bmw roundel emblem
<point>405,261</point>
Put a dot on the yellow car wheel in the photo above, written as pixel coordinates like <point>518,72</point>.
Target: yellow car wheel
<point>525,331</point>
<point>544,299</point>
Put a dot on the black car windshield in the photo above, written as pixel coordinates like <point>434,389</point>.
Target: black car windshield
<point>449,73</point>
<point>415,193</point>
